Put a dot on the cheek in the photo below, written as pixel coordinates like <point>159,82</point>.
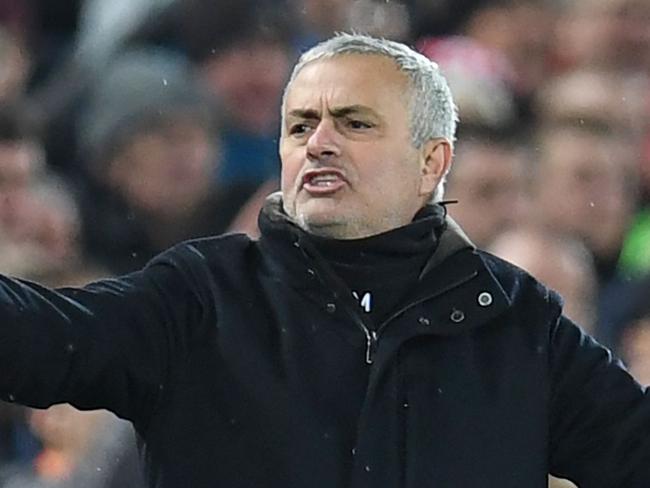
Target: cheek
<point>406,175</point>
<point>291,163</point>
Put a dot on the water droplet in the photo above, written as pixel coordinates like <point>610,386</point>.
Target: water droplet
<point>165,81</point>
<point>70,348</point>
<point>439,391</point>
<point>98,468</point>
<point>405,405</point>
<point>354,451</point>
<point>11,397</point>
<point>367,468</point>
<point>592,204</point>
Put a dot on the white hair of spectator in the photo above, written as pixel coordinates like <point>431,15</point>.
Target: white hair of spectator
<point>433,113</point>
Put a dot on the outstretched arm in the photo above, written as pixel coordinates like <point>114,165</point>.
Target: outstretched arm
<point>108,345</point>
<point>600,416</point>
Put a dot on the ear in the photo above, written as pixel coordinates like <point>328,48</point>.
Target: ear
<point>435,162</point>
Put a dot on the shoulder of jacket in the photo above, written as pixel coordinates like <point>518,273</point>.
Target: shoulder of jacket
<point>226,249</point>
<point>520,286</point>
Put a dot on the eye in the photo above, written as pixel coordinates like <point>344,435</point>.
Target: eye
<point>299,129</point>
<point>359,124</point>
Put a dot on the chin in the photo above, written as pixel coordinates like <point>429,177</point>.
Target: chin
<point>312,219</point>
<point>319,210</point>
<point>323,223</point>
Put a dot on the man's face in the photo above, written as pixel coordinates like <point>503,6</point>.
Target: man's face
<point>166,171</point>
<point>249,80</point>
<point>349,168</point>
<point>489,183</point>
<point>581,189</point>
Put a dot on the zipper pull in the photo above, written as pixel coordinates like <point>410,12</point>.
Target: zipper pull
<point>371,345</point>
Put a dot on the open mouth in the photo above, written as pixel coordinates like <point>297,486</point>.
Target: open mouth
<point>323,181</point>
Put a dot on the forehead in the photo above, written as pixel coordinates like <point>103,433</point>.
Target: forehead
<point>349,79</point>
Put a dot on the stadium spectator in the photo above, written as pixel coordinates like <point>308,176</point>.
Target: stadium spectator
<point>243,56</point>
<point>481,78</point>
<point>489,182</point>
<point>153,141</point>
<point>79,450</point>
<point>583,185</point>
<point>611,35</point>
<point>519,29</point>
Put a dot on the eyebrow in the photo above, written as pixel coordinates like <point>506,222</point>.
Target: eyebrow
<point>336,112</point>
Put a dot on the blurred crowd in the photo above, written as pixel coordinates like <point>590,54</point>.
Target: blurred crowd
<point>130,125</point>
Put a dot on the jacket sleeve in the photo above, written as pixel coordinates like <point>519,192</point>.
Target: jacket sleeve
<point>107,345</point>
<point>600,416</point>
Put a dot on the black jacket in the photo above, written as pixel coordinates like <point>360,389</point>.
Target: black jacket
<point>241,366</point>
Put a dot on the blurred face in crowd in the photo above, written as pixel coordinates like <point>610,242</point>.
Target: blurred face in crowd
<point>488,181</point>
<point>581,188</point>
<point>167,171</point>
<point>612,34</point>
<point>521,33</point>
<point>46,219</point>
<point>349,168</point>
<point>249,79</point>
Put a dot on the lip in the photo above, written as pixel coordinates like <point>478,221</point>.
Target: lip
<point>323,190</point>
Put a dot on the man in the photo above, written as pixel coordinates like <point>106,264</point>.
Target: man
<point>252,364</point>
<point>489,181</point>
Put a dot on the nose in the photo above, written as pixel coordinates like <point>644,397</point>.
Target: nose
<point>323,143</point>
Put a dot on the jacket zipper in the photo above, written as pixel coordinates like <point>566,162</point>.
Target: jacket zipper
<point>371,344</point>
<point>372,336</point>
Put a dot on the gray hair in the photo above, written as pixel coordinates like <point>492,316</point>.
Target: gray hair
<point>433,112</point>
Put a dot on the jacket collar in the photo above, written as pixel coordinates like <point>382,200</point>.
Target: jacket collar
<point>282,233</point>
<point>467,292</point>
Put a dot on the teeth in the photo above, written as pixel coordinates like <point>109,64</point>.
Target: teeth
<point>324,180</point>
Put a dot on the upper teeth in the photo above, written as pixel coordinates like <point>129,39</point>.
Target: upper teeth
<point>329,178</point>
